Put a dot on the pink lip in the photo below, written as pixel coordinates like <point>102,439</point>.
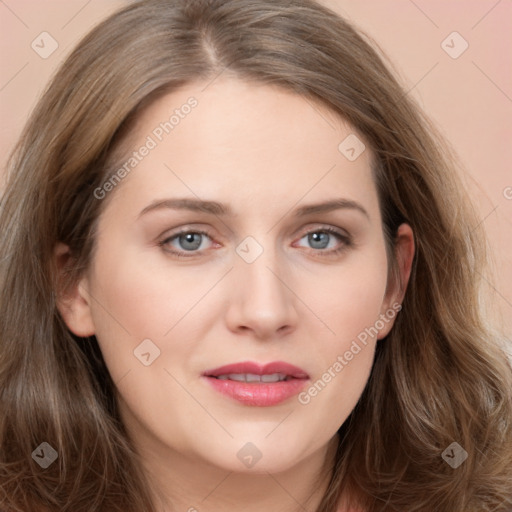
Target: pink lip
<point>260,394</point>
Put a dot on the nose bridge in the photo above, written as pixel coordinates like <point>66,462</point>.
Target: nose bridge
<point>259,271</point>
<point>261,300</point>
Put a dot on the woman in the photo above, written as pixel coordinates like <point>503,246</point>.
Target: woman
<point>238,271</point>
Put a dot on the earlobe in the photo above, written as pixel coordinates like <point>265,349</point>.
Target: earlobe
<point>404,254</point>
<point>72,300</point>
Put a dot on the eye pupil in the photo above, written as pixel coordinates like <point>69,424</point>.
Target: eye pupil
<point>188,238</point>
<point>319,240</point>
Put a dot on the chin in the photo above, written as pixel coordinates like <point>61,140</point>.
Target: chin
<point>259,456</point>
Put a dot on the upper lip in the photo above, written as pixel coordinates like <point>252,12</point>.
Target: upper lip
<point>289,370</point>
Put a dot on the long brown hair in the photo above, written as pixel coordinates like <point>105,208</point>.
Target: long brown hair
<point>440,376</point>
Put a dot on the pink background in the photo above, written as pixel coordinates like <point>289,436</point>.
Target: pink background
<point>469,98</point>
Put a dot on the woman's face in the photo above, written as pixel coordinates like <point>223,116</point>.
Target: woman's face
<point>267,277</point>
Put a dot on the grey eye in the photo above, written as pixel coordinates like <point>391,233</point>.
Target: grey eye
<point>319,240</point>
<point>190,241</point>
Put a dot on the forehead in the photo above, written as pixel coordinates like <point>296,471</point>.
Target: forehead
<point>245,144</point>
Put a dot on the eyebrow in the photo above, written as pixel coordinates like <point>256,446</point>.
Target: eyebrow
<point>216,208</point>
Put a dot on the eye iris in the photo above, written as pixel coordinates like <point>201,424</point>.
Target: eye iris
<point>317,240</point>
<point>188,238</point>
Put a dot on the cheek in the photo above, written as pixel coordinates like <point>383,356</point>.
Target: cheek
<point>142,309</point>
<point>132,301</point>
<point>350,304</point>
<point>139,288</point>
<point>351,295</point>
<point>138,296</point>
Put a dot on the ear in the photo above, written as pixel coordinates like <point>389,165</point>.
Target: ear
<point>395,292</point>
<point>72,299</point>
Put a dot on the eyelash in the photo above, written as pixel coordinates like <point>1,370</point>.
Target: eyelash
<point>345,239</point>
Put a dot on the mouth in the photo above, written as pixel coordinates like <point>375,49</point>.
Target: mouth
<point>257,385</point>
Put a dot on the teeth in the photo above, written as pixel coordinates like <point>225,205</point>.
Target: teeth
<point>273,377</point>
<point>237,376</point>
<point>251,377</point>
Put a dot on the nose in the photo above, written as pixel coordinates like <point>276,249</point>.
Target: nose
<point>261,301</point>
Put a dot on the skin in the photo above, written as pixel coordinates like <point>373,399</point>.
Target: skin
<point>264,152</point>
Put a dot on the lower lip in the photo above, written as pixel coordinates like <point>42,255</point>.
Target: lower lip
<point>259,394</point>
